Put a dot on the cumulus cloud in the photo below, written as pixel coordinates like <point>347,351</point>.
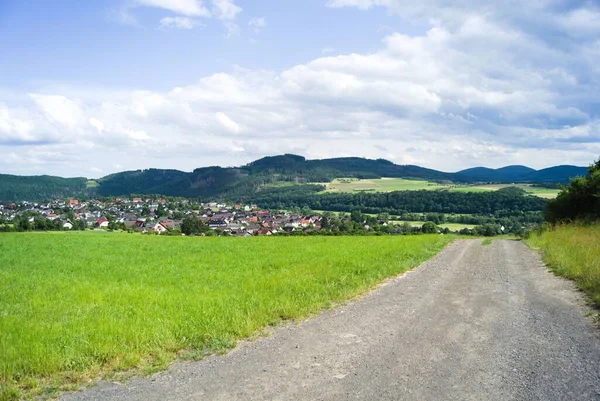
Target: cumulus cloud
<point>227,123</point>
<point>59,109</point>
<point>476,88</point>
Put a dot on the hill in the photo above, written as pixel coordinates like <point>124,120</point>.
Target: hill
<point>14,187</point>
<point>510,174</point>
<point>232,183</point>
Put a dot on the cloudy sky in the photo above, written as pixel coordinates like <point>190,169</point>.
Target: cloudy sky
<point>88,88</point>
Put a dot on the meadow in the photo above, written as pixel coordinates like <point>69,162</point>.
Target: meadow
<point>380,185</point>
<point>76,307</point>
<point>572,251</point>
<point>351,185</point>
<point>547,193</point>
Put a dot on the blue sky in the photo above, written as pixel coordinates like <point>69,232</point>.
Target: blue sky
<point>90,88</point>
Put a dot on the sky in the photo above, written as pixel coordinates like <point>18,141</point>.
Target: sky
<point>89,88</point>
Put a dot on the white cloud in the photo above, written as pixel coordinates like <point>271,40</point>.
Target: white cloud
<point>257,24</point>
<point>13,129</point>
<point>99,125</point>
<point>233,29</point>
<point>59,109</point>
<point>178,22</point>
<point>226,9</point>
<point>362,4</point>
<point>190,8</point>
<point>477,88</point>
<point>227,122</point>
<point>186,12</point>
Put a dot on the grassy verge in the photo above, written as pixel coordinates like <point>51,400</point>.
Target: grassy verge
<point>573,251</point>
<point>76,306</point>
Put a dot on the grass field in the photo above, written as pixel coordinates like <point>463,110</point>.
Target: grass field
<point>573,251</point>
<point>79,306</point>
<point>379,185</point>
<point>399,184</point>
<point>546,193</point>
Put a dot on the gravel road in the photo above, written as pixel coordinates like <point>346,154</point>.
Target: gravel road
<point>473,323</point>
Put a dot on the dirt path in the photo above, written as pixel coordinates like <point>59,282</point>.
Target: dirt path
<point>474,323</point>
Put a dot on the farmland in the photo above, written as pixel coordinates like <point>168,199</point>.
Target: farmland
<point>380,185</point>
<point>78,306</point>
<point>399,184</point>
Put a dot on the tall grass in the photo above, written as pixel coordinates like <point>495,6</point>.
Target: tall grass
<point>573,251</point>
<point>78,306</point>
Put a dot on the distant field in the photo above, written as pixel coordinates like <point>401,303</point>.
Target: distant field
<point>379,185</point>
<point>547,193</point>
<point>352,185</point>
<point>77,306</point>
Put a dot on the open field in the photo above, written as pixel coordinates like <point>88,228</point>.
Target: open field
<point>77,306</point>
<point>399,184</point>
<point>573,251</point>
<point>547,193</point>
<point>379,185</point>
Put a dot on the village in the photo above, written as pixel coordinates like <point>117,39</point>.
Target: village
<point>155,216</point>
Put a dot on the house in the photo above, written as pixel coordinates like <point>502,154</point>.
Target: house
<point>74,202</point>
<point>264,232</point>
<point>168,223</point>
<point>154,227</point>
<point>102,222</point>
<point>217,224</point>
<point>67,225</point>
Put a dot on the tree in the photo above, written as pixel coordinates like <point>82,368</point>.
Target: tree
<point>580,200</point>
<point>193,226</point>
<point>429,228</point>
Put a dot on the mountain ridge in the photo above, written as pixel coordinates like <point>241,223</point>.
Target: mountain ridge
<point>232,182</point>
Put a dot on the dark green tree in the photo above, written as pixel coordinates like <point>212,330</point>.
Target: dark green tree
<point>580,200</point>
<point>429,227</point>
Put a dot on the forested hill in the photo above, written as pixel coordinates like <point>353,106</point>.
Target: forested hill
<point>237,182</point>
<point>14,187</point>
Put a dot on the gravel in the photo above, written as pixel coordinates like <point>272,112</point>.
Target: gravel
<point>473,323</point>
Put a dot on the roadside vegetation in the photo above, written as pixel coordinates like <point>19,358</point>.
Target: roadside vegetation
<point>572,251</point>
<point>83,305</point>
<point>571,243</point>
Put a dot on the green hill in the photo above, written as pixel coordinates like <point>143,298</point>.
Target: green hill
<point>233,183</point>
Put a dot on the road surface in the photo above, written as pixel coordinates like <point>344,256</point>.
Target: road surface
<point>473,323</point>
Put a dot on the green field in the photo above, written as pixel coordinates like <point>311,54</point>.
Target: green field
<point>379,185</point>
<point>399,184</point>
<point>573,251</point>
<point>79,306</point>
<point>546,193</point>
